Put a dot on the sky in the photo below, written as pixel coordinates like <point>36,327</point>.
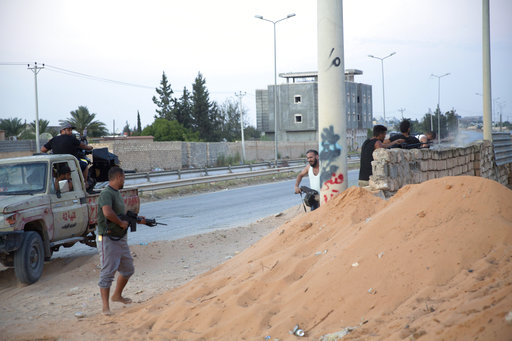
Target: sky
<point>135,41</point>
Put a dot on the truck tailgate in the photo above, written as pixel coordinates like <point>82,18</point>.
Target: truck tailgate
<point>131,202</point>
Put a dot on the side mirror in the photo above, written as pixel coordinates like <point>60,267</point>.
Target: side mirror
<point>63,186</point>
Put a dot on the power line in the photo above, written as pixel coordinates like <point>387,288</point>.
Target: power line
<point>82,75</point>
<point>87,76</point>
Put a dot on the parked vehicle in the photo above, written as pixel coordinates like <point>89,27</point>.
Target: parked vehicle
<point>40,214</point>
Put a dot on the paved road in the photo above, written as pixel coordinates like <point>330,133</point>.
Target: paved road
<point>207,212</point>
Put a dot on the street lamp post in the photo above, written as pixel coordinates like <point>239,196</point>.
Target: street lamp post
<point>275,78</point>
<point>438,105</point>
<point>383,94</point>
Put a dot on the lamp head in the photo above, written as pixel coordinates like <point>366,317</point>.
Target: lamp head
<point>258,16</point>
<point>290,15</point>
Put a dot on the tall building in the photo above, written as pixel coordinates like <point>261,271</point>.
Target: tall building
<point>297,108</point>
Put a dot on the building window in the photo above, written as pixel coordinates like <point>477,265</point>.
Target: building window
<point>358,99</point>
<point>297,99</point>
<point>298,118</point>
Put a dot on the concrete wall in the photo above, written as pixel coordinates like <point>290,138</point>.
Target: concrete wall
<point>144,156</point>
<point>395,168</point>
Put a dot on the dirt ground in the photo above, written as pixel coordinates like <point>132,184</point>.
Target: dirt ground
<point>432,262</point>
<point>68,287</point>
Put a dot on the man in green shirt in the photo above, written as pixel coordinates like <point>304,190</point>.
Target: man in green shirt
<point>112,241</point>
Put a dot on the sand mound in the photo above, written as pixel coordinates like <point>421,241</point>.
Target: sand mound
<point>434,261</point>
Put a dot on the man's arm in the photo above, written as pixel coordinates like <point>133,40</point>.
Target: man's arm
<point>44,149</point>
<point>109,213</point>
<point>299,178</point>
<point>85,146</point>
<point>386,144</point>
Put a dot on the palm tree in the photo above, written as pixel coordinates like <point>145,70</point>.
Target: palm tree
<point>30,131</point>
<point>82,119</point>
<point>12,126</point>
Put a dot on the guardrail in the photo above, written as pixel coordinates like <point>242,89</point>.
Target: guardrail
<point>211,178</point>
<point>229,169</point>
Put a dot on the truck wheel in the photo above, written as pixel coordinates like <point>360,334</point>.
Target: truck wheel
<point>29,259</point>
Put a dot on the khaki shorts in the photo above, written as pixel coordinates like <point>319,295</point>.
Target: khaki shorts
<point>114,256</point>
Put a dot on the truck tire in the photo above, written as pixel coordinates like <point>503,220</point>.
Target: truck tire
<point>29,259</point>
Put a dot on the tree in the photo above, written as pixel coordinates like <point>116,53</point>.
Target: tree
<point>206,115</point>
<point>82,120</point>
<point>231,120</point>
<point>164,101</point>
<point>127,129</point>
<point>452,122</point>
<point>251,132</point>
<point>30,131</point>
<point>183,109</point>
<point>12,126</point>
<point>165,130</point>
<point>139,127</point>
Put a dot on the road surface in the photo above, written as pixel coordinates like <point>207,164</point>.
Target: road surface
<point>190,215</point>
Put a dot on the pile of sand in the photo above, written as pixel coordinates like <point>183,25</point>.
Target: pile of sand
<point>433,261</point>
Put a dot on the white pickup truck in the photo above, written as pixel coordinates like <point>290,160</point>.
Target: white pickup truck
<point>39,213</point>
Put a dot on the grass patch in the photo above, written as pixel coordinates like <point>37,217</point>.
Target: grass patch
<point>213,186</point>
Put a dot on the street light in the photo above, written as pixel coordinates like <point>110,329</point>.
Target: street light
<point>383,96</point>
<point>438,107</point>
<point>275,78</point>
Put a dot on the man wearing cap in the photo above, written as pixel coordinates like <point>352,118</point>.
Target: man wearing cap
<point>66,143</point>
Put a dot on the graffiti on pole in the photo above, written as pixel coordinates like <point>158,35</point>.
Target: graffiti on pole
<point>330,174</point>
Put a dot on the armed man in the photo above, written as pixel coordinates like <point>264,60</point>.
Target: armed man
<point>312,170</point>
<point>66,143</point>
<point>112,240</point>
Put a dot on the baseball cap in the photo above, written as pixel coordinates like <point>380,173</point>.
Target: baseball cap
<point>67,125</point>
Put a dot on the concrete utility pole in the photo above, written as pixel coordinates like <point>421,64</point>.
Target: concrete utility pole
<point>332,120</point>
<point>35,69</point>
<point>383,93</point>
<point>402,112</point>
<point>275,78</point>
<point>240,95</point>
<point>486,70</point>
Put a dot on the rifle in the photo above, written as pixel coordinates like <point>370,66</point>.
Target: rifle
<point>132,218</point>
<point>311,197</point>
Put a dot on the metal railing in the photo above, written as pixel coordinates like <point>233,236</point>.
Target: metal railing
<point>211,178</point>
<point>502,143</point>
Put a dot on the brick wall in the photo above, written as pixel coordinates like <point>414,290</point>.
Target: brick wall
<point>395,168</point>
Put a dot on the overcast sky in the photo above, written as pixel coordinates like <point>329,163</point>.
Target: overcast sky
<point>135,41</point>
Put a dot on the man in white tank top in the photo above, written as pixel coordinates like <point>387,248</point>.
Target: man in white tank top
<point>312,169</point>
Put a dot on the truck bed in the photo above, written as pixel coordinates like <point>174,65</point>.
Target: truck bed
<point>131,202</point>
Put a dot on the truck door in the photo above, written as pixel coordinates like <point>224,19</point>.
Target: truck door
<point>69,207</point>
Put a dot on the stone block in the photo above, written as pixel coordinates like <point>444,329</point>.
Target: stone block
<point>416,154</point>
<point>424,176</point>
<point>379,169</point>
<point>379,184</point>
<point>382,154</point>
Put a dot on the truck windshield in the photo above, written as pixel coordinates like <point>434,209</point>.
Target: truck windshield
<point>23,178</point>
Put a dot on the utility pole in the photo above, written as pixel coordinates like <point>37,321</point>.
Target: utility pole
<point>486,71</point>
<point>332,118</point>
<point>35,69</point>
<point>241,94</point>
<point>431,120</point>
<point>402,112</point>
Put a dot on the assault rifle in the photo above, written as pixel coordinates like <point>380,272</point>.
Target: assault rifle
<point>132,218</point>
<point>311,197</point>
